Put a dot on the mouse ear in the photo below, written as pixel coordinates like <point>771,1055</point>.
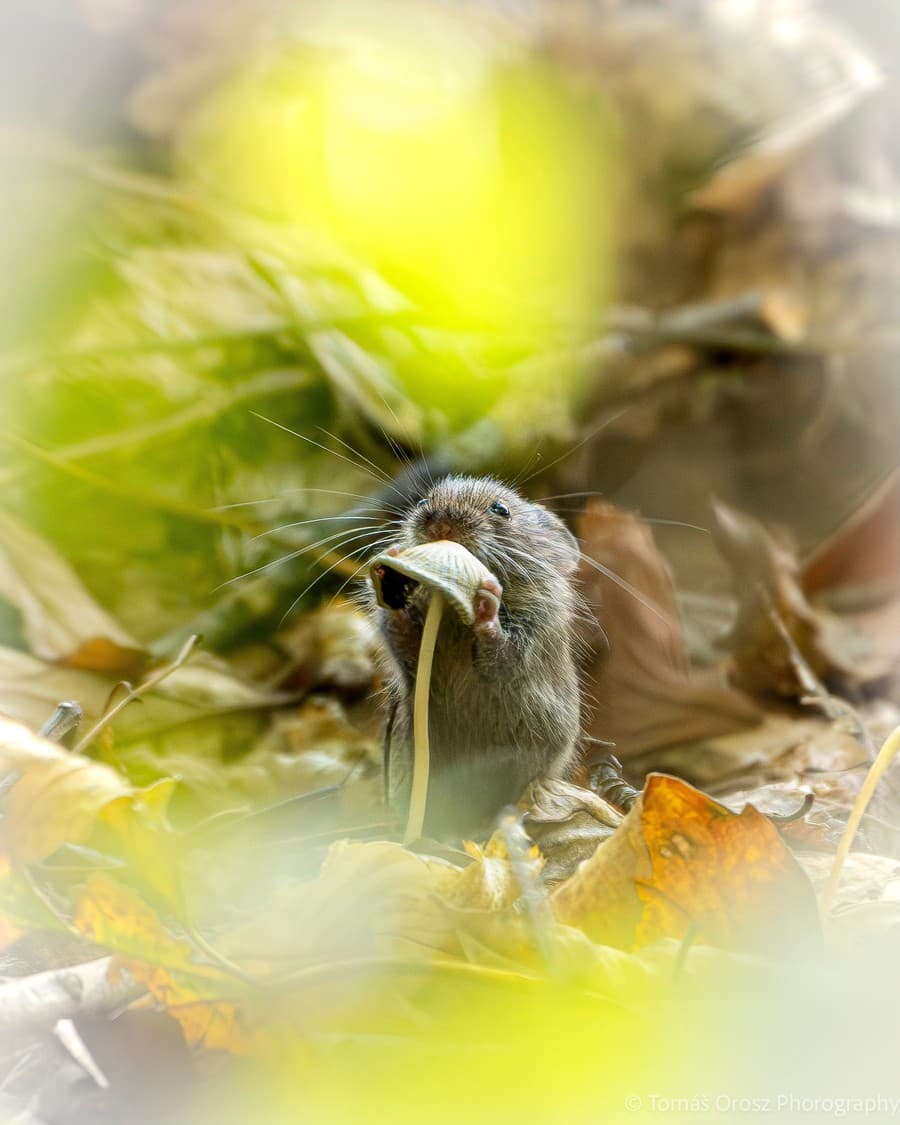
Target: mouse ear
<point>567,552</point>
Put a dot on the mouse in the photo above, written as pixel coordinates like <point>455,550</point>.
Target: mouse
<point>504,701</point>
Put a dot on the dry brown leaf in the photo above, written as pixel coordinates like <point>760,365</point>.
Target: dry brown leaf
<point>331,648</point>
<point>837,74</point>
<point>865,550</point>
<point>567,823</point>
<point>742,759</point>
<point>681,864</point>
<point>99,654</point>
<point>778,638</point>
<point>61,620</point>
<point>644,693</point>
<point>488,884</point>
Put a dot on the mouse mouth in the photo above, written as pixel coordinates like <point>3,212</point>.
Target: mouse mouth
<point>395,588</point>
<point>445,567</point>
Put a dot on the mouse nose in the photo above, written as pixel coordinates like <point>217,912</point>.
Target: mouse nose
<point>439,528</point>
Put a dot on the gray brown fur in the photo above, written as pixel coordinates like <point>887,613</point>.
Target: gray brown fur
<point>504,696</point>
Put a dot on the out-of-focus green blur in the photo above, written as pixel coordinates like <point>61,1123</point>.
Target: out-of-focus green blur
<point>373,221</point>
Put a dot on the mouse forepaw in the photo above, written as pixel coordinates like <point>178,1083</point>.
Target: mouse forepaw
<point>486,607</point>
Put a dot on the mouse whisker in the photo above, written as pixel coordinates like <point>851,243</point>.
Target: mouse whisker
<point>344,535</point>
<point>568,453</point>
<point>326,491</point>
<point>528,565</point>
<point>363,459</point>
<point>571,496</point>
<point>656,520</point>
<point>359,520</point>
<point>379,476</point>
<point>318,579</point>
<point>399,452</point>
<point>625,585</point>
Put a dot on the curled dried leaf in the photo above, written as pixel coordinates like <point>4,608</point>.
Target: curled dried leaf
<point>567,823</point>
<point>646,694</point>
<point>778,639</point>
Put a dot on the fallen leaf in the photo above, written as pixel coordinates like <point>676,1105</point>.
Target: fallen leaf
<point>643,692</point>
<point>367,898</point>
<point>30,689</point>
<point>61,621</point>
<point>567,823</point>
<point>332,647</point>
<point>99,654</point>
<point>865,550</point>
<point>206,691</point>
<point>778,635</point>
<point>681,864</point>
<point>490,882</point>
<point>737,760</point>
<point>146,841</point>
<point>204,1000</point>
<point>55,797</point>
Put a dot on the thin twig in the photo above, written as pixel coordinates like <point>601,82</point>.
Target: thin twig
<point>135,693</point>
<point>886,755</point>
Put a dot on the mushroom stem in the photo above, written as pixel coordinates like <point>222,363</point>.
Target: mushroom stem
<point>421,750</point>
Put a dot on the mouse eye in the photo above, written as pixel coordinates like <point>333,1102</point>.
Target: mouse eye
<point>422,504</point>
<point>500,509</point>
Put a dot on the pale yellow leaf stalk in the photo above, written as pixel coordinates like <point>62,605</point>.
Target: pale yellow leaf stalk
<point>885,756</point>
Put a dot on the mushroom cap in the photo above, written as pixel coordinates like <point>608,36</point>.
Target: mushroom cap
<point>443,565</point>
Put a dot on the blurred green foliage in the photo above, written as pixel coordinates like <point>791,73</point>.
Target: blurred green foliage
<point>193,305</point>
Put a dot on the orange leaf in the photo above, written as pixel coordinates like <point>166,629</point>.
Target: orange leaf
<point>100,654</point>
<point>680,864</point>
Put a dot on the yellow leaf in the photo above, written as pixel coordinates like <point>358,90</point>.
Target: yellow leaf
<point>139,822</point>
<point>205,1000</point>
<point>9,932</point>
<point>55,798</point>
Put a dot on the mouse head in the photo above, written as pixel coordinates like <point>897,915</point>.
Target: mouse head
<point>517,540</point>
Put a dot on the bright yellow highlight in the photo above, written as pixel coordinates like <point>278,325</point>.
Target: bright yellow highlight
<point>467,179</point>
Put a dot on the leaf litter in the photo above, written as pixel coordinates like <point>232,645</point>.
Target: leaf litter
<point>223,838</point>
